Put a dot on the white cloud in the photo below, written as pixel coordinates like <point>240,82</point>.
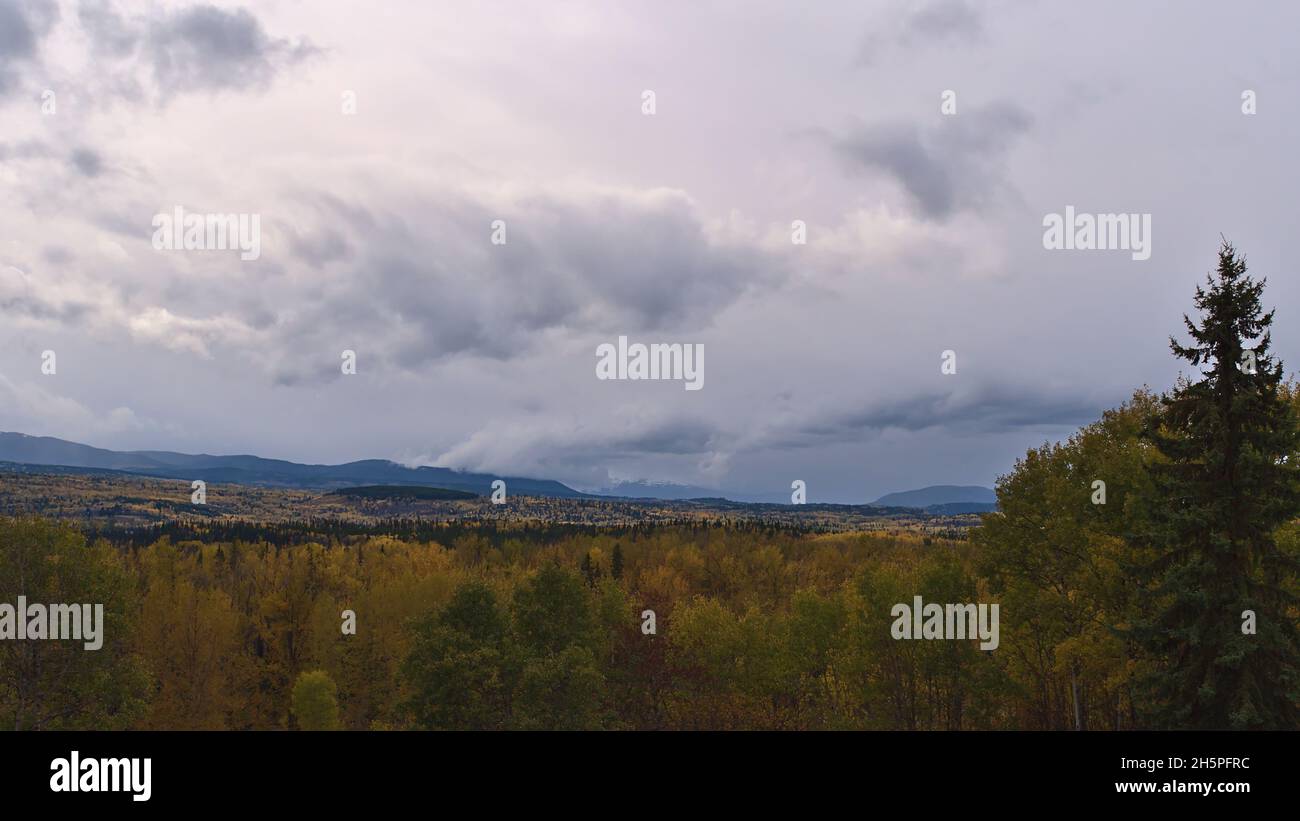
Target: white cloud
<point>30,408</point>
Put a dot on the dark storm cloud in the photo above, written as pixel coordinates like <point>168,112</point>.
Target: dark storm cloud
<point>198,48</point>
<point>648,264</point>
<point>427,288</point>
<point>676,437</point>
<point>954,165</point>
<point>985,409</point>
<point>22,24</point>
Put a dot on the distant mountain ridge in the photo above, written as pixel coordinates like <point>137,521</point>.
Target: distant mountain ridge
<point>944,499</point>
<point>255,470</point>
<point>59,455</point>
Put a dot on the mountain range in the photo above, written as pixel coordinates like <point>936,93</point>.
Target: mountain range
<point>947,495</point>
<point>254,470</point>
<point>46,451</point>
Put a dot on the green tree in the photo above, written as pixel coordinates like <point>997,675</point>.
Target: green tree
<point>616,562</point>
<point>458,669</point>
<point>561,691</point>
<point>1230,480</point>
<point>315,701</point>
<point>60,685</point>
<point>1056,554</point>
<point>553,611</point>
<point>558,640</point>
<point>590,570</point>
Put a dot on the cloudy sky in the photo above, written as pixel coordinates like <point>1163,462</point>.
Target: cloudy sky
<point>822,360</point>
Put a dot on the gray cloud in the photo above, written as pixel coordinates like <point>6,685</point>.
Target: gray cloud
<point>984,408</point>
<point>321,247</point>
<point>427,288</point>
<point>110,33</point>
<point>929,23</point>
<point>587,453</point>
<point>208,48</point>
<point>676,437</point>
<point>195,49</point>
<point>58,254</point>
<point>956,164</point>
<point>26,150</point>
<point>944,19</point>
<point>22,25</point>
<point>32,308</point>
<point>20,299</point>
<point>87,162</point>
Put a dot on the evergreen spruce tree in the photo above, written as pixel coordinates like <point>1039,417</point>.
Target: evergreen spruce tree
<point>1229,478</point>
<point>589,571</point>
<point>616,563</point>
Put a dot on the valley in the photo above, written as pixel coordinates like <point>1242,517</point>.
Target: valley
<point>112,500</point>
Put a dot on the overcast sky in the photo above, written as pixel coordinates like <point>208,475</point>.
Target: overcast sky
<point>822,360</point>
